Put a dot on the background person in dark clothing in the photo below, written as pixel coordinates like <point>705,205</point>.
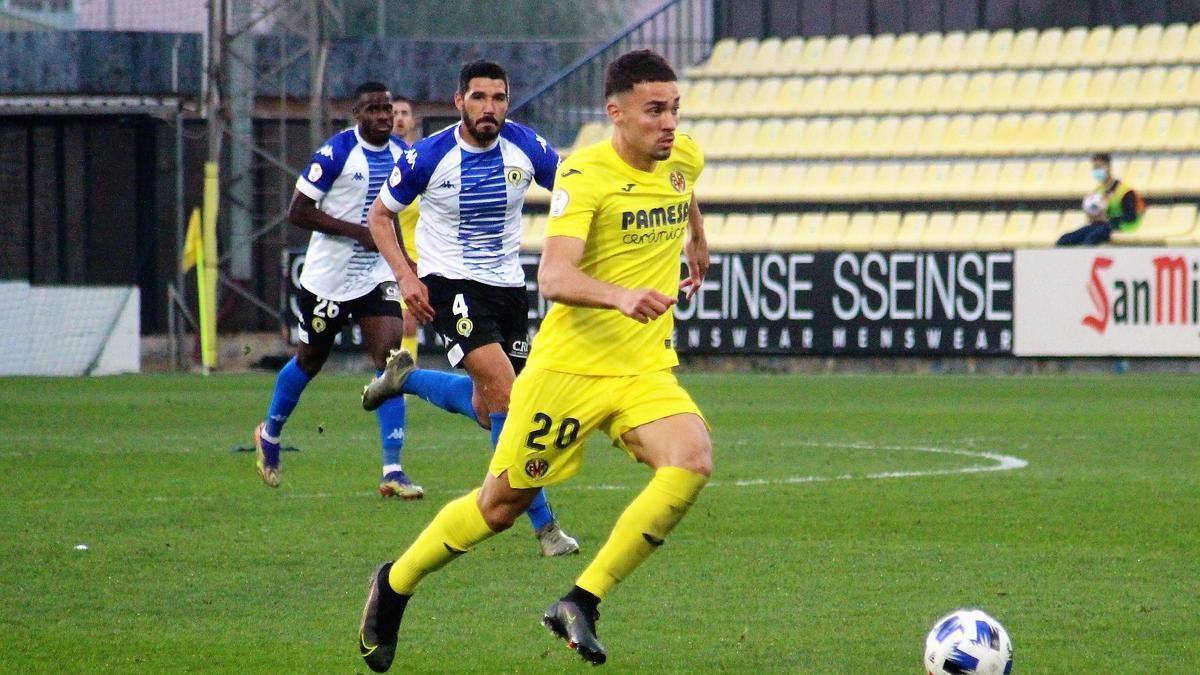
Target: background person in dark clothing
<point>1112,206</point>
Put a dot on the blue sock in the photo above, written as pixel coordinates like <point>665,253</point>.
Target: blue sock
<point>392,425</point>
<point>288,386</point>
<point>448,391</point>
<point>539,511</point>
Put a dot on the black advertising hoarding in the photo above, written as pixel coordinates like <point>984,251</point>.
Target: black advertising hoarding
<point>922,303</point>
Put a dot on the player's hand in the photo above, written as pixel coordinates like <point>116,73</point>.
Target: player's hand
<point>696,251</point>
<point>416,298</point>
<point>645,304</point>
<point>365,240</point>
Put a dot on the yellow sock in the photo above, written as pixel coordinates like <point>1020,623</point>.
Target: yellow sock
<point>453,532</point>
<point>643,526</point>
<point>409,342</point>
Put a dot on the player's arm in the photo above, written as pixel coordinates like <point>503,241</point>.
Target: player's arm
<point>561,280</point>
<point>381,222</point>
<point>303,213</point>
<point>696,251</point>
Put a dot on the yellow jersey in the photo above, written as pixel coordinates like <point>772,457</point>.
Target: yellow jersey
<point>633,224</point>
<point>408,227</point>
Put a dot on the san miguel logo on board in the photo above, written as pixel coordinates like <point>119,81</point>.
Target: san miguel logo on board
<point>1166,294</point>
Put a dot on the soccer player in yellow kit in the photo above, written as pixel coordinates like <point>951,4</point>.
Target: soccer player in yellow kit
<point>620,215</point>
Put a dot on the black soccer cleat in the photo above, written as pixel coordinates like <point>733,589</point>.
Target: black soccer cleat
<point>381,621</point>
<point>577,626</point>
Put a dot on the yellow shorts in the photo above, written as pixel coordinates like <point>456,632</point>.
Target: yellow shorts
<point>551,414</point>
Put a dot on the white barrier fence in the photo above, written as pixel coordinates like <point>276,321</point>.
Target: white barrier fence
<point>69,330</point>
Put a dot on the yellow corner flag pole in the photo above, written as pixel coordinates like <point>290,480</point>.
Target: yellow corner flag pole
<point>206,269</point>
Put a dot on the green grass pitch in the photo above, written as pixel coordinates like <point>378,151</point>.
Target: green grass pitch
<point>796,559</point>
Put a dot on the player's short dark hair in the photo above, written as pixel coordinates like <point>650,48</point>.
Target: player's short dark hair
<point>631,68</point>
<point>369,87</point>
<point>401,98</point>
<point>486,69</point>
<point>1102,157</point>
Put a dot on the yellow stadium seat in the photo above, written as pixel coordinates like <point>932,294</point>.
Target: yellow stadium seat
<point>533,231</point>
<point>912,177</point>
<point>1016,229</point>
<point>807,234</point>
<point>1191,238</point>
<point>988,235</point>
<point>1128,80</point>
<point>883,232</point>
<point>744,93</point>
<point>765,57</point>
<point>912,230</point>
<point>862,136</point>
<point>589,133</point>
<point>862,179</point>
<point>767,143</point>
<point>713,224</point>
<point>766,97</point>
<point>812,97</point>
<point>1121,47</point>
<point>1070,178</point>
<point>768,185</point>
<point>950,50</point>
<point>1166,47</point>
<point>836,94</point>
<point>839,184</point>
<point>721,100</point>
<point>961,181</point>
<point>1177,87</point>
<point>882,97</point>
<point>783,232</point>
<point>720,185</point>
<point>792,186</point>
<point>1050,90</point>
<point>1045,53</point>
<point>1054,133</point>
<point>695,100</point>
<point>833,231</point>
<point>1012,174</point>
<point>932,140</point>
<point>1101,91</point>
<point>814,53</point>
<point>1046,229</point>
<point>903,52</point>
<point>1148,43</point>
<point>1184,130</point>
<point>858,231</point>
<point>744,137</point>
<point>906,98</point>
<point>757,232</point>
<point>1137,172</point>
<point>834,55</point>
<point>978,94</point>
<point>933,183</point>
<point>742,58</point>
<point>720,144</point>
<point>1150,86</point>
<point>958,135</point>
<point>1036,180</point>
<point>1075,90</point>
<point>1191,46</point>
<point>1029,133</point>
<point>721,54</point>
<point>723,238</point>
<point>887,176</point>
<point>701,131</point>
<point>1007,135</point>
<point>816,180</point>
<point>1156,133</point>
<point>1129,134</point>
<point>791,142</point>
<point>789,56</point>
<point>999,45</point>
<point>963,232</point>
<point>1164,177</point>
<point>953,91</point>
<point>929,92</point>
<point>1108,125</point>
<point>858,94</point>
<point>816,133</point>
<point>1095,47</point>
<point>1020,52</point>
<point>982,139</point>
<point>855,58</point>
<point>1071,47</point>
<point>971,55</point>
<point>1025,91</point>
<point>879,53</point>
<point>1160,223</point>
<point>747,183</point>
<point>791,96</point>
<point>925,56</point>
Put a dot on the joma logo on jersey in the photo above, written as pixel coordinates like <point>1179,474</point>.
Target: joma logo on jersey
<point>671,215</point>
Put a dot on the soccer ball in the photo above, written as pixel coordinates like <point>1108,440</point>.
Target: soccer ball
<point>968,642</point>
<point>1093,204</point>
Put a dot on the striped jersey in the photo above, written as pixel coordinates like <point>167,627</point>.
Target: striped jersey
<point>344,177</point>
<point>471,198</point>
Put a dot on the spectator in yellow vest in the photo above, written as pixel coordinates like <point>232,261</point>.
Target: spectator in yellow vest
<point>1112,206</point>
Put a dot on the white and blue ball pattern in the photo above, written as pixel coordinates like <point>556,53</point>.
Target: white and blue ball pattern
<point>968,642</point>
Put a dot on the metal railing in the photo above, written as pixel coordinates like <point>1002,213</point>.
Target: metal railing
<point>680,30</point>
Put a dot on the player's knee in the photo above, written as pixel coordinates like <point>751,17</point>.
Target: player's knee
<point>695,455</point>
<point>311,364</point>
